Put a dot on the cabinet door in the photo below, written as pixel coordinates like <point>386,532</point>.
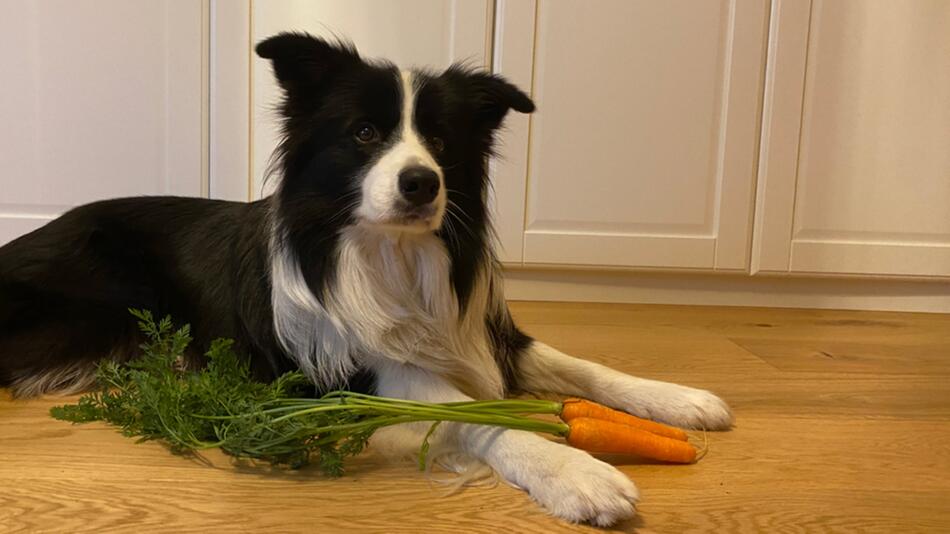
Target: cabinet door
<point>642,152</point>
<point>428,33</point>
<point>855,166</point>
<point>100,99</point>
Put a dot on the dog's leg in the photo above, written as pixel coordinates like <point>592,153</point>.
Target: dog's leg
<point>568,482</point>
<point>543,368</point>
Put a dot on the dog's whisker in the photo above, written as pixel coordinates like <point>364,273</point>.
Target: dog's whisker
<point>453,204</point>
<point>457,192</point>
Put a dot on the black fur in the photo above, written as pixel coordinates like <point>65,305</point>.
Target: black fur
<point>464,108</point>
<point>65,288</point>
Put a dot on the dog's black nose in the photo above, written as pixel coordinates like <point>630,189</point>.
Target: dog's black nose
<point>418,185</point>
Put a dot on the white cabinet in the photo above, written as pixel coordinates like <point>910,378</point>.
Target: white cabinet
<point>433,33</point>
<point>855,167</point>
<point>711,136</point>
<point>100,99</point>
<point>663,127</point>
<point>642,151</point>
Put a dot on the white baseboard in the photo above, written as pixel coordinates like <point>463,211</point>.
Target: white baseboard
<point>728,290</point>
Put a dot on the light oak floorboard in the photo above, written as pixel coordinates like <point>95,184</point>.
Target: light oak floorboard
<point>843,425</point>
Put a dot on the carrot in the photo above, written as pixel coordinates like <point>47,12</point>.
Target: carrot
<point>574,408</point>
<point>596,435</point>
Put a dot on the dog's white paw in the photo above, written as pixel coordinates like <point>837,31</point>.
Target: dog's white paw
<point>675,405</point>
<point>577,487</point>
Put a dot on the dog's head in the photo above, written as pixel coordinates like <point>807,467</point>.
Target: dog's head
<point>369,144</point>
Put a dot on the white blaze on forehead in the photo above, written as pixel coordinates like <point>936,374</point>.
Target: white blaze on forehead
<point>420,155</point>
<point>407,149</point>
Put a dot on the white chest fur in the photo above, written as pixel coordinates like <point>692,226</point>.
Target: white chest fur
<point>391,299</point>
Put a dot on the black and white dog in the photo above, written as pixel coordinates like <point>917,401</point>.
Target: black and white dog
<point>371,268</point>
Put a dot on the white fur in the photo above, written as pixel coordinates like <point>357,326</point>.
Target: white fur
<point>315,338</point>
<point>380,186</point>
<point>67,380</point>
<point>568,482</point>
<point>543,368</point>
<point>392,300</point>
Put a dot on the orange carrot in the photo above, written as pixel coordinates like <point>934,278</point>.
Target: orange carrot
<point>574,408</point>
<point>596,435</point>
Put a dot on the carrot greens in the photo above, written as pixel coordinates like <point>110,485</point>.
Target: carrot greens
<point>153,397</point>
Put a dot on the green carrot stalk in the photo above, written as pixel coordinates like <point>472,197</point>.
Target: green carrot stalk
<point>222,406</point>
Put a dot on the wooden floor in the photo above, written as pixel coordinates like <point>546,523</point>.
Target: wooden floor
<point>843,424</point>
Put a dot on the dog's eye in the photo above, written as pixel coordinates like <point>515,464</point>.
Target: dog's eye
<point>365,133</point>
<point>437,144</point>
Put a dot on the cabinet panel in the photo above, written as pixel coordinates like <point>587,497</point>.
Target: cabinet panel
<point>512,56</point>
<point>427,33</point>
<point>868,188</point>
<point>100,99</point>
<point>642,152</point>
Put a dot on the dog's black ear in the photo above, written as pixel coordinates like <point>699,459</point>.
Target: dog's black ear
<point>301,60</point>
<point>492,97</point>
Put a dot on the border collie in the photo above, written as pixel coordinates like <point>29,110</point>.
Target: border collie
<point>371,268</point>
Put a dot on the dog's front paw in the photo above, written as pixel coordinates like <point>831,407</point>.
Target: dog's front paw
<point>676,405</point>
<point>577,487</point>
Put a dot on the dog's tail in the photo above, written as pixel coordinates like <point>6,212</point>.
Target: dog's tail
<point>67,380</point>
<point>45,351</point>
